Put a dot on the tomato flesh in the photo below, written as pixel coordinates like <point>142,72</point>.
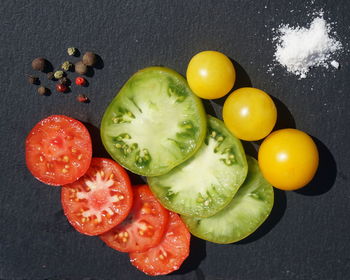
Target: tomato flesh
<point>169,254</point>
<point>58,150</point>
<point>143,228</point>
<point>154,123</point>
<point>99,200</point>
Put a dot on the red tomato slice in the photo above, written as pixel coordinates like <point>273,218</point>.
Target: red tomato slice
<point>143,228</point>
<point>99,200</point>
<point>58,150</point>
<point>169,254</point>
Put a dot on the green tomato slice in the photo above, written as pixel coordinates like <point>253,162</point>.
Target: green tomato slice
<point>207,182</point>
<point>246,212</point>
<point>154,123</point>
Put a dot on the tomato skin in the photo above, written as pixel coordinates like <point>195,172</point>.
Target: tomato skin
<point>169,254</point>
<point>288,159</point>
<point>58,150</point>
<point>210,74</point>
<point>249,113</point>
<point>104,194</point>
<point>143,228</point>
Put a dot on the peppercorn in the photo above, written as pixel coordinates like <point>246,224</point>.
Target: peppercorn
<point>61,88</point>
<point>80,81</point>
<point>72,51</point>
<point>33,80</point>
<point>89,59</point>
<point>42,90</point>
<point>83,98</point>
<point>81,68</point>
<point>58,74</point>
<point>39,64</point>
<point>64,81</point>
<point>66,65</point>
<point>50,76</point>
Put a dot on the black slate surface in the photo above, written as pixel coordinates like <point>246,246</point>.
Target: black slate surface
<point>307,235</point>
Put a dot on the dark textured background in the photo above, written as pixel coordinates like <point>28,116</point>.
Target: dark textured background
<point>307,235</point>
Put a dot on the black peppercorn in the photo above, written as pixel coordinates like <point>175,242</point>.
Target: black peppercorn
<point>81,68</point>
<point>89,59</point>
<point>42,90</point>
<point>64,81</point>
<point>39,64</point>
<point>33,80</point>
<point>50,76</point>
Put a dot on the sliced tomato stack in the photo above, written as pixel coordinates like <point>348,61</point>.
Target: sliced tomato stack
<point>157,240</point>
<point>143,228</point>
<point>98,199</point>
<point>169,254</point>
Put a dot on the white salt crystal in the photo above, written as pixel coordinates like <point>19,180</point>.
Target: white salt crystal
<point>299,48</point>
<point>335,64</point>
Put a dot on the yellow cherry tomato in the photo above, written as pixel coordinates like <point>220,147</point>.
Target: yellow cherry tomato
<point>288,159</point>
<point>249,113</point>
<point>210,74</point>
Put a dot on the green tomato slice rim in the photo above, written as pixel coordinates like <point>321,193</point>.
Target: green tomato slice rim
<point>249,208</point>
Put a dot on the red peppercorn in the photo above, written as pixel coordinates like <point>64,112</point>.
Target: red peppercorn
<point>82,98</point>
<point>80,81</point>
<point>61,88</point>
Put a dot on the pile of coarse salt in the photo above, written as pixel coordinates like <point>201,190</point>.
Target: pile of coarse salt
<point>299,48</point>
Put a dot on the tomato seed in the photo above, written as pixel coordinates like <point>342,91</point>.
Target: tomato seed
<point>65,158</point>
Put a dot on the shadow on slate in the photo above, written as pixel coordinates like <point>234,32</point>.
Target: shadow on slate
<point>77,53</point>
<point>60,225</point>
<point>86,83</point>
<point>48,92</point>
<point>197,254</point>
<point>284,116</point>
<point>90,72</point>
<point>209,109</point>
<point>242,80</point>
<point>48,67</point>
<point>99,63</point>
<point>250,149</point>
<point>276,215</point>
<point>98,150</point>
<point>136,179</point>
<point>325,175</point>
